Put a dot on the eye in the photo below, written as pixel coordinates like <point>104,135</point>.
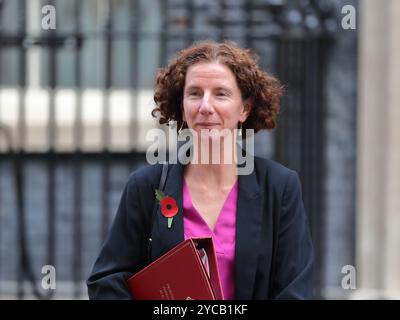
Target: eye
<point>193,93</point>
<point>221,93</point>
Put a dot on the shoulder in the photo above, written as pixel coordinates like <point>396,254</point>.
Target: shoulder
<point>147,175</point>
<point>276,174</point>
<point>273,169</point>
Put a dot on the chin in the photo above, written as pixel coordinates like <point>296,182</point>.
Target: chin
<point>214,133</point>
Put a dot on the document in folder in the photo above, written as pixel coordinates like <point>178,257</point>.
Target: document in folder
<point>188,271</point>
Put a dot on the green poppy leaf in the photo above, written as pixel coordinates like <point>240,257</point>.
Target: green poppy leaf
<point>159,195</point>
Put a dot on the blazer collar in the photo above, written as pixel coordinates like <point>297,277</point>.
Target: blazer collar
<point>248,226</point>
<point>248,229</point>
<point>169,238</point>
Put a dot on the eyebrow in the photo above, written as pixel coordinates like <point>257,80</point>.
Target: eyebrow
<point>224,88</point>
<point>195,87</point>
<point>192,87</point>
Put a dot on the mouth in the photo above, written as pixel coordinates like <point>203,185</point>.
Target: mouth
<point>207,124</point>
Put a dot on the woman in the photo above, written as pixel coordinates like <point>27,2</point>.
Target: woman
<point>257,221</point>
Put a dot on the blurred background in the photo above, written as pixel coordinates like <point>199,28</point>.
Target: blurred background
<point>75,104</point>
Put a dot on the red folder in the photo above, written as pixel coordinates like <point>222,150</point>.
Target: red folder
<point>180,274</point>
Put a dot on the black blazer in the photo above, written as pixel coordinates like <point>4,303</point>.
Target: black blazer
<point>274,252</point>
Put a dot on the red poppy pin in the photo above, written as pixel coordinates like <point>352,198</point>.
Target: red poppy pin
<point>168,206</point>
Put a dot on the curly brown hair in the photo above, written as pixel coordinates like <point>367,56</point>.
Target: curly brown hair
<point>263,89</point>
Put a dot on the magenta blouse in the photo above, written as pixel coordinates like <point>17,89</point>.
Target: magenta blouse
<point>223,235</point>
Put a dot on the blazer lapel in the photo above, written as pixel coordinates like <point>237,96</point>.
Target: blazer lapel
<point>248,228</point>
<point>164,239</point>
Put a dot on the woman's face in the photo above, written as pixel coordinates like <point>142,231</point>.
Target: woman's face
<point>212,98</point>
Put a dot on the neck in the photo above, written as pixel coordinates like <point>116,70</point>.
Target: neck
<point>218,175</point>
<point>205,171</point>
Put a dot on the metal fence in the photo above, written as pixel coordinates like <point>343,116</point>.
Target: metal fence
<point>292,39</point>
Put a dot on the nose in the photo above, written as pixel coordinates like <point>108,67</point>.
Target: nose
<point>206,105</point>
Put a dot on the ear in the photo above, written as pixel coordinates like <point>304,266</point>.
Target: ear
<point>247,106</point>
